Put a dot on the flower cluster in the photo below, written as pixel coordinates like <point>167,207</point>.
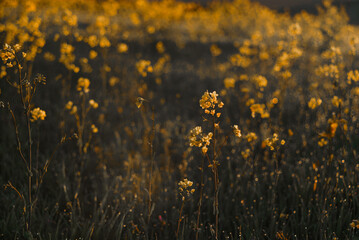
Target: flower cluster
<point>93,104</point>
<point>122,47</point>
<point>144,67</point>
<point>70,106</point>
<point>354,224</point>
<point>229,82</point>
<point>236,131</point>
<point>272,142</point>
<point>314,103</point>
<point>7,54</point>
<point>215,50</point>
<point>251,137</point>
<point>199,139</point>
<point>67,57</point>
<point>209,102</point>
<point>37,114</point>
<point>83,85</point>
<point>336,101</point>
<point>260,109</point>
<point>333,124</point>
<point>260,81</point>
<point>353,76</point>
<point>94,129</point>
<point>185,189</point>
<point>322,142</point>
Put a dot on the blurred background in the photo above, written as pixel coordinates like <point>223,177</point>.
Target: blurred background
<point>351,6</point>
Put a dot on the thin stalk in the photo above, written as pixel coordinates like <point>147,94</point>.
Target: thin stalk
<point>151,165</point>
<point>200,200</point>
<point>215,173</point>
<point>179,219</point>
<point>18,139</point>
<point>28,124</point>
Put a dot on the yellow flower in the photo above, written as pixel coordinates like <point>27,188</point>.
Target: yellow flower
<point>313,103</point>
<point>215,50</point>
<point>83,85</point>
<point>259,108</point>
<point>151,29</point>
<point>294,29</point>
<point>209,102</point>
<point>92,41</point>
<point>73,110</point>
<point>236,131</point>
<point>185,188</point>
<point>113,81</point>
<point>353,75</point>
<point>93,54</point>
<point>204,149</point>
<point>229,82</point>
<point>49,56</point>
<point>352,224</point>
<point>37,114</point>
<point>93,104</point>
<point>260,80</point>
<point>69,105</point>
<point>144,67</point>
<point>336,101</point>
<point>160,47</point>
<point>104,42</point>
<point>94,129</point>
<point>251,137</point>
<point>122,48</point>
<point>322,142</point>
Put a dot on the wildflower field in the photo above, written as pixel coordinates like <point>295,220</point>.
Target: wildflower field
<point>171,120</point>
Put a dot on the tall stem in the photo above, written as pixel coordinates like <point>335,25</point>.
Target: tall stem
<point>27,116</point>
<point>30,166</point>
<point>151,165</point>
<point>179,219</point>
<point>215,173</point>
<point>200,200</point>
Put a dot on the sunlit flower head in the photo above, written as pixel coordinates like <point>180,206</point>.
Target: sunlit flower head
<point>37,114</point>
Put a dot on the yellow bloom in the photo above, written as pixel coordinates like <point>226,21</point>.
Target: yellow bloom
<point>160,47</point>
<point>294,29</point>
<point>185,188</point>
<point>251,137</point>
<point>93,54</point>
<point>144,67</point>
<point>229,82</point>
<point>122,48</point>
<point>322,142</point>
<point>260,80</point>
<point>69,105</point>
<point>336,101</point>
<point>353,75</point>
<point>73,110</point>
<point>313,103</point>
<point>236,131</point>
<point>94,129</point>
<point>83,85</point>
<point>93,104</point>
<point>104,42</point>
<point>209,101</point>
<point>37,114</point>
<point>215,50</point>
<point>113,81</point>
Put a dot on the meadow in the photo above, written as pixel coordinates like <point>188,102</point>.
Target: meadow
<point>171,120</point>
